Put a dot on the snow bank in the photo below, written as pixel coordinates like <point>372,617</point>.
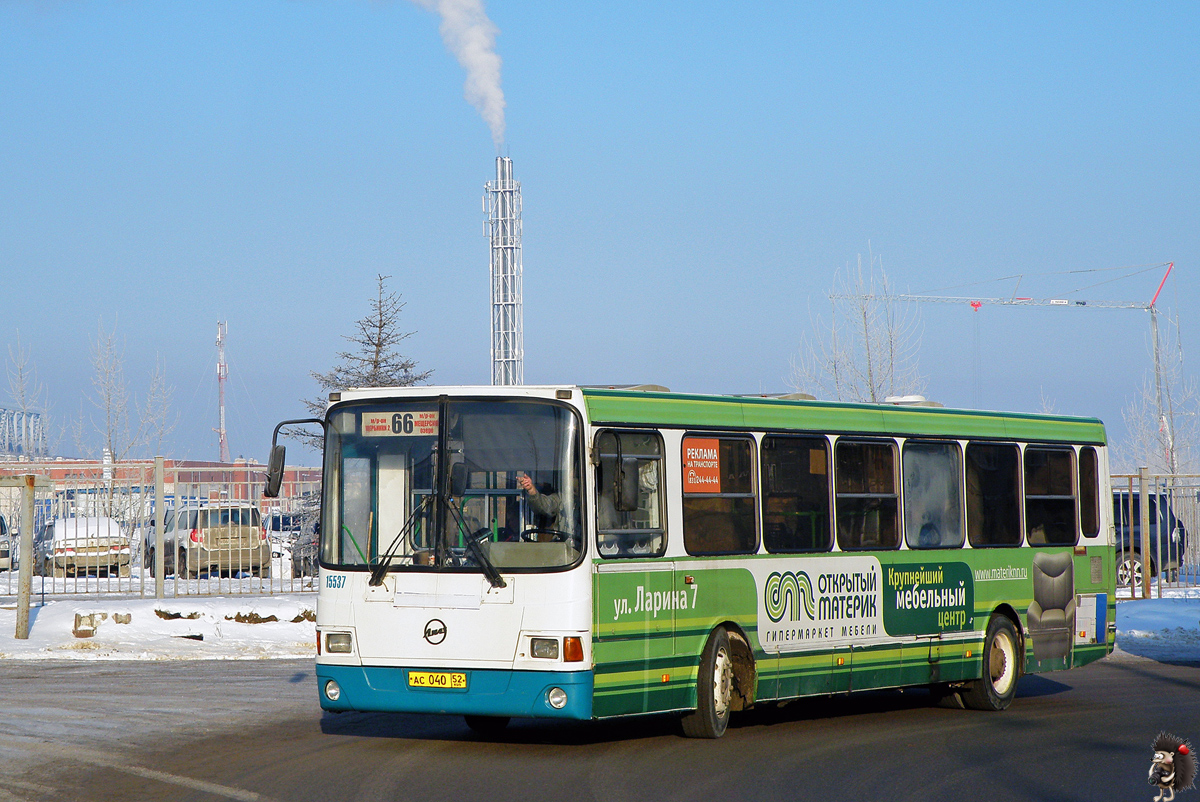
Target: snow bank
<point>1161,629</point>
<point>209,628</point>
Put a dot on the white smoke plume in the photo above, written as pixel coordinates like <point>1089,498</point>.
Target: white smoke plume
<point>471,37</point>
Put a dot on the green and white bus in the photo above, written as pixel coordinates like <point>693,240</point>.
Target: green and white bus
<point>584,553</point>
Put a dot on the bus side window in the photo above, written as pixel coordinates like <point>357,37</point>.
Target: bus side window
<point>933,504</point>
<point>1089,492</point>
<point>632,533</point>
<point>718,496</point>
<point>867,502</point>
<point>993,494</point>
<point>1050,497</point>
<point>795,473</point>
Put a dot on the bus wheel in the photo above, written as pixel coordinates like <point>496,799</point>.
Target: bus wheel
<point>489,726</point>
<point>1001,668</point>
<point>714,689</point>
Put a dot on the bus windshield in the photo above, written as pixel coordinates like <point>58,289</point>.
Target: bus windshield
<point>387,491</point>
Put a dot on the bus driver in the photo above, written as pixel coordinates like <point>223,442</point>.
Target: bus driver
<point>548,505</point>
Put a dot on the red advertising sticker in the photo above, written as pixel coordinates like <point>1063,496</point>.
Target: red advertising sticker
<point>701,465</point>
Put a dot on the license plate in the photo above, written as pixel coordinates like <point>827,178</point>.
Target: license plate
<point>436,679</point>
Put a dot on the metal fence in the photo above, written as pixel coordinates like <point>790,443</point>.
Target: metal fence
<point>96,530</point>
<point>1169,553</point>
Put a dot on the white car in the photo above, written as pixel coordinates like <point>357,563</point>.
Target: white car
<point>6,546</point>
<point>79,546</point>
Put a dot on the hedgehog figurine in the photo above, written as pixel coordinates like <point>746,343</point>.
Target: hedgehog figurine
<point>1173,767</point>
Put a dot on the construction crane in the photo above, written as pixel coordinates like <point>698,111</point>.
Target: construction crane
<point>976,303</point>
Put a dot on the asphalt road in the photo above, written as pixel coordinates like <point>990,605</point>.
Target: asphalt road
<point>251,731</point>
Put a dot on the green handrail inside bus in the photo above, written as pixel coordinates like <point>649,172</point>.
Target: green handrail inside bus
<point>357,548</point>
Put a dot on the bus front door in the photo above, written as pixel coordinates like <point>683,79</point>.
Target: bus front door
<point>635,634</point>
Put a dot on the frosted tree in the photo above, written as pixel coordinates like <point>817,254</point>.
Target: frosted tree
<point>157,420</point>
<point>110,395</point>
<point>1163,419</point>
<point>28,396</point>
<point>867,350</point>
<point>124,425</point>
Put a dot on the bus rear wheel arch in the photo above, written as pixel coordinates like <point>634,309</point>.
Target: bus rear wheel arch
<point>1002,658</point>
<point>725,683</point>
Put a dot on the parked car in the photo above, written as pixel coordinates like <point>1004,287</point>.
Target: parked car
<point>75,546</point>
<point>305,551</point>
<point>224,537</point>
<point>284,522</point>
<point>282,529</point>
<point>1170,550</point>
<point>148,542</point>
<point>6,561</point>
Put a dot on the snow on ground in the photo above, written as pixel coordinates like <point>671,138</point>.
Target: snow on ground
<point>1161,629</point>
<point>187,628</point>
<point>207,628</point>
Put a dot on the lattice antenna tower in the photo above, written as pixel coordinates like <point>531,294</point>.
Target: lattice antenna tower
<point>222,377</point>
<point>502,204</point>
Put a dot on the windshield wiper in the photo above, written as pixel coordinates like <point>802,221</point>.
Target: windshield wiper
<point>473,546</point>
<point>385,561</point>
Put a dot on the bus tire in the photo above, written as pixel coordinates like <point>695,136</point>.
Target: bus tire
<point>714,689</point>
<point>489,726</point>
<point>1001,668</point>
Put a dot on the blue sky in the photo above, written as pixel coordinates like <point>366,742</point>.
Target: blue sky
<point>693,174</point>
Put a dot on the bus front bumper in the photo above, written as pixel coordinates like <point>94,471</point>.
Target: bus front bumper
<point>488,692</point>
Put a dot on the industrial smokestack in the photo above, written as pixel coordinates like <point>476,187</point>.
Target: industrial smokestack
<point>502,200</point>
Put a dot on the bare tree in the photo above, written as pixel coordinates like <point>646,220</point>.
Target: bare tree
<point>111,394</point>
<point>867,350</point>
<point>156,420</point>
<point>121,433</point>
<point>374,362</point>
<point>28,397</point>
<point>77,428</point>
<point>1163,419</point>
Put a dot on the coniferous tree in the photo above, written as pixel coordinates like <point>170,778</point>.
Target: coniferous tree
<point>374,362</point>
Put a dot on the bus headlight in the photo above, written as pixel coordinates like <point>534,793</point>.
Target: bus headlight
<point>557,698</point>
<point>544,648</point>
<point>333,691</point>
<point>338,643</point>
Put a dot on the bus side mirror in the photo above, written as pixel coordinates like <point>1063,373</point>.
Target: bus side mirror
<point>274,472</point>
<point>458,479</point>
<point>627,485</point>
